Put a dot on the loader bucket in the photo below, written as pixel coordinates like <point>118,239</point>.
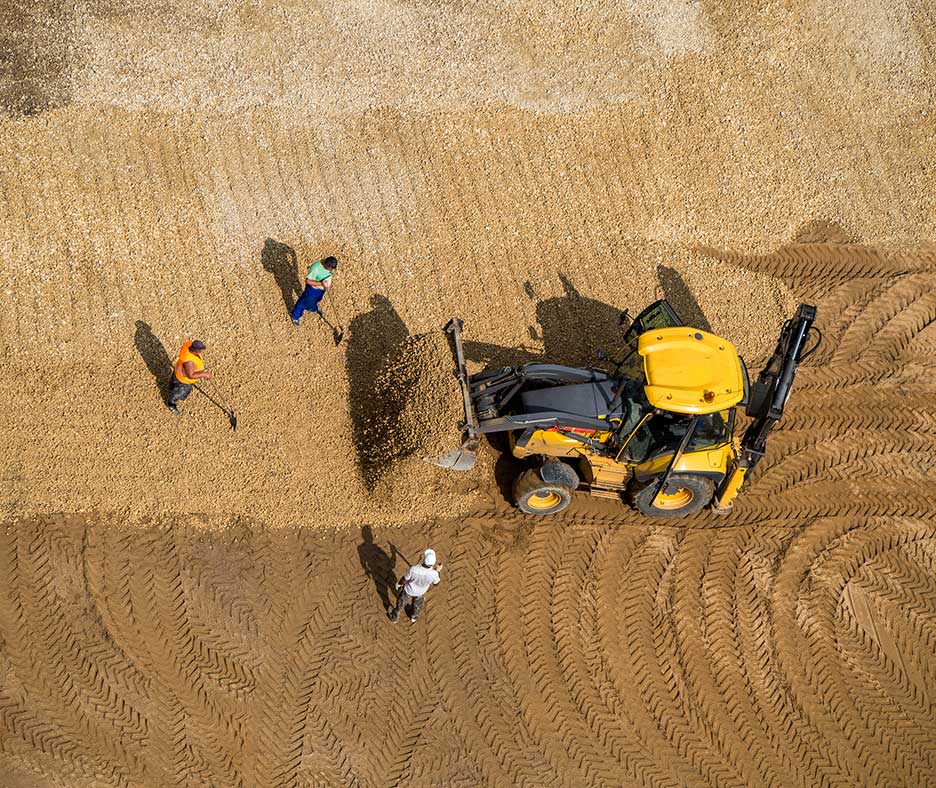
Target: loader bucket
<point>462,458</point>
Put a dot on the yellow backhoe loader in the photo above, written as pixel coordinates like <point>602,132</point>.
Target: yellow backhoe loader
<point>658,428</point>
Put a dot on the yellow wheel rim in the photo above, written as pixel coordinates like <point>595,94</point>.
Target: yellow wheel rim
<point>674,500</point>
<point>544,500</point>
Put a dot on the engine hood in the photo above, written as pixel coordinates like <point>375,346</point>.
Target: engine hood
<point>588,400</point>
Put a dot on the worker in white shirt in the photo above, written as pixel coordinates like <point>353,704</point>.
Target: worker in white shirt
<point>415,584</point>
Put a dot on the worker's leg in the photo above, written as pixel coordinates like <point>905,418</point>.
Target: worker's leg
<point>317,294</point>
<point>418,603</point>
<point>307,301</point>
<point>179,392</point>
<point>301,303</point>
<point>401,603</point>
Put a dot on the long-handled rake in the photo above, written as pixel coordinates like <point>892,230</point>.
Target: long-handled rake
<point>337,333</point>
<point>229,412</point>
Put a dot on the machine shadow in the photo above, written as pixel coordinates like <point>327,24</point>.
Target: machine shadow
<point>506,469</point>
<point>677,292</point>
<point>371,339</point>
<point>377,565</point>
<point>154,356</point>
<point>572,328</point>
<point>280,260</point>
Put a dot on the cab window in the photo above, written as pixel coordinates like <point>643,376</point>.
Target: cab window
<point>713,429</point>
<point>662,433</point>
<point>659,314</point>
<point>658,435</point>
<point>634,406</point>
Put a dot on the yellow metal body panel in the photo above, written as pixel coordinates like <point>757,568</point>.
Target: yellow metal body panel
<point>712,460</point>
<point>605,472</point>
<point>555,444</point>
<point>690,371</point>
<point>732,487</point>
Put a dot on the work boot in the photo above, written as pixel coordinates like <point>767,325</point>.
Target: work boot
<point>412,619</point>
<point>174,408</point>
<point>294,321</point>
<point>390,615</point>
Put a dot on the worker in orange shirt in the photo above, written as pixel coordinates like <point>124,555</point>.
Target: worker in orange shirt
<point>189,369</point>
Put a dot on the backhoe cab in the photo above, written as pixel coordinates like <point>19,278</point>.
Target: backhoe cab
<point>659,429</point>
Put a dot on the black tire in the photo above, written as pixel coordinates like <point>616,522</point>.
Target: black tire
<point>689,494</point>
<point>534,496</point>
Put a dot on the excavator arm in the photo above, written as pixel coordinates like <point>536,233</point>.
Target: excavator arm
<point>768,399</point>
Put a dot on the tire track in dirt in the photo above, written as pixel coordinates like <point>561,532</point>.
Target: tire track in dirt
<point>791,643</point>
<point>868,408</point>
<point>610,654</point>
<point>832,555</point>
<point>833,263</point>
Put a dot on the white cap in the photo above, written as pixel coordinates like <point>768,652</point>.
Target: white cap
<point>429,557</point>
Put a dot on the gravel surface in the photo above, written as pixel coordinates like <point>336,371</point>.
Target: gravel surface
<point>416,409</point>
<point>168,170</point>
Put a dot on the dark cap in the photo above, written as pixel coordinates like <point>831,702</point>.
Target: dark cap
<point>197,344</point>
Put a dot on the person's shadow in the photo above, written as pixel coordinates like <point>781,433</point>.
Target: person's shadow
<point>572,328</point>
<point>378,566</point>
<point>280,260</point>
<point>155,357</point>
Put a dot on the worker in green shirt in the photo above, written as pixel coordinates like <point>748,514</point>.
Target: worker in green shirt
<point>318,281</point>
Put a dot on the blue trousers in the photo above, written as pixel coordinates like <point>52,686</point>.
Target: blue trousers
<point>309,300</point>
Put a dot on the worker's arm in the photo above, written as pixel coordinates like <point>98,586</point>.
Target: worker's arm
<point>325,283</point>
<point>198,374</point>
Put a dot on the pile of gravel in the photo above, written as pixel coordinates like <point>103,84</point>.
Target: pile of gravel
<point>417,406</point>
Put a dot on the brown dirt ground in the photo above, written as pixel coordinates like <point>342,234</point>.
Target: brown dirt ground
<point>166,171</point>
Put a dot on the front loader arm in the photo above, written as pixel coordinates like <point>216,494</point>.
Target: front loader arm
<point>768,399</point>
<point>492,391</point>
<point>486,397</point>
